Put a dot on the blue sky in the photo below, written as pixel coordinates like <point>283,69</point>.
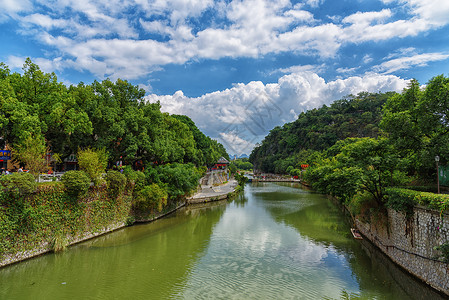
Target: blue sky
<point>237,68</point>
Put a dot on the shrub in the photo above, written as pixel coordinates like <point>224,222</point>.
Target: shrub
<point>93,162</point>
<point>76,182</point>
<point>241,179</point>
<point>136,178</point>
<point>151,197</point>
<point>18,183</point>
<point>59,242</point>
<point>404,200</point>
<point>115,182</point>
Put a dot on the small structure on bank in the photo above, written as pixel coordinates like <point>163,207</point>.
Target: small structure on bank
<point>221,164</point>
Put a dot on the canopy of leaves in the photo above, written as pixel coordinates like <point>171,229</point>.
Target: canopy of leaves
<point>294,143</point>
<point>103,115</point>
<point>417,122</point>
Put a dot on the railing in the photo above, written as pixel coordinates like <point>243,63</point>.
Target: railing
<point>56,176</point>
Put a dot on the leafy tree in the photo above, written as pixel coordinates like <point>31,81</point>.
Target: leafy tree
<point>93,162</point>
<point>32,153</point>
<point>317,130</point>
<point>417,123</point>
<point>151,197</point>
<point>362,165</point>
<point>115,182</point>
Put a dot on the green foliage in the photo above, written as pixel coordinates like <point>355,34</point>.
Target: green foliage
<point>404,200</point>
<point>50,216</point>
<point>130,221</point>
<point>232,168</point>
<point>241,179</point>
<point>243,164</point>
<point>134,178</point>
<point>32,152</point>
<point>444,248</point>
<point>180,179</point>
<point>76,183</point>
<point>59,242</point>
<point>360,204</point>
<point>417,123</point>
<point>295,143</point>
<point>18,183</point>
<point>115,182</point>
<point>151,197</point>
<point>94,163</point>
<point>104,115</point>
<point>295,172</point>
<point>359,165</point>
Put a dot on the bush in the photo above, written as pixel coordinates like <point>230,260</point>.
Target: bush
<point>93,162</point>
<point>404,200</point>
<point>18,183</point>
<point>76,182</point>
<point>151,197</point>
<point>136,178</point>
<point>181,179</point>
<point>241,179</point>
<point>115,182</point>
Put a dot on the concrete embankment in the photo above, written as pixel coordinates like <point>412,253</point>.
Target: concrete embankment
<point>213,193</point>
<point>410,242</point>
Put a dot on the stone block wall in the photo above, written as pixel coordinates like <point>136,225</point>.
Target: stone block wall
<point>410,243</point>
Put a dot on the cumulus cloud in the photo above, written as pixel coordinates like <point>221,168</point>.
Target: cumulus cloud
<point>241,116</point>
<point>98,36</point>
<point>434,12</point>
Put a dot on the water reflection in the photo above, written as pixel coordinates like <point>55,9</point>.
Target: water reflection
<point>151,259</point>
<point>275,241</point>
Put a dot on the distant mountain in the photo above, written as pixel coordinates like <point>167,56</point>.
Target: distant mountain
<point>235,156</point>
<point>319,129</point>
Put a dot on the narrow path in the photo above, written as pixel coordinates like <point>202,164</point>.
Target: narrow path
<point>214,192</point>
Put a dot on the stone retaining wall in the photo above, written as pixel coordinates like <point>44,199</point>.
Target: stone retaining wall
<point>45,247</point>
<point>410,243</point>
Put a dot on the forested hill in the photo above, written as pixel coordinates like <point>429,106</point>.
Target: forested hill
<point>36,109</point>
<point>318,129</point>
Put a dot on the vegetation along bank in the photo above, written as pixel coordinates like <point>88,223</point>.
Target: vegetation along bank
<point>123,160</point>
<point>378,155</point>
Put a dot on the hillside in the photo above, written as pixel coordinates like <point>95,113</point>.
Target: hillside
<point>319,129</point>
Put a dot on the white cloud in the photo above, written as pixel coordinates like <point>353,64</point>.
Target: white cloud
<point>368,17</point>
<point>367,59</point>
<point>404,63</point>
<point>301,69</point>
<point>346,70</point>
<point>45,21</point>
<point>314,3</point>
<point>434,12</point>
<point>241,116</point>
<point>100,35</point>
<point>15,6</point>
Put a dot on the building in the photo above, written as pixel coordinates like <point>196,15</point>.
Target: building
<point>221,164</point>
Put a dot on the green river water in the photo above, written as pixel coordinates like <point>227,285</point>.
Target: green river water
<point>275,241</point>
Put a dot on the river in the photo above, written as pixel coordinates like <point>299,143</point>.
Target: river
<point>275,241</point>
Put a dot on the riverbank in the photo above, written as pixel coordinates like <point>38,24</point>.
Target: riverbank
<point>410,242</point>
<point>209,193</point>
<point>96,216</point>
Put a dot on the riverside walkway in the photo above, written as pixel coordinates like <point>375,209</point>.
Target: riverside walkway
<point>213,193</point>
